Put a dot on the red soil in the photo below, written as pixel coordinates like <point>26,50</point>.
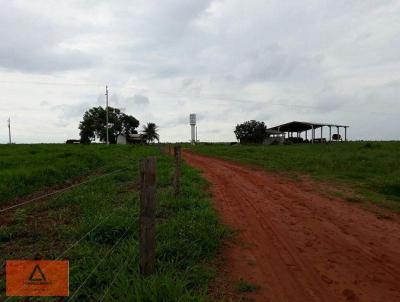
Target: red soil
<point>298,245</point>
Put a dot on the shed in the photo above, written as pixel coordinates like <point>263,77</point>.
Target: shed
<point>123,139</point>
<point>299,128</point>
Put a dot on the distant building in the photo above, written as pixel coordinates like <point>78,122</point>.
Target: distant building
<point>73,141</point>
<point>297,132</point>
<point>123,139</point>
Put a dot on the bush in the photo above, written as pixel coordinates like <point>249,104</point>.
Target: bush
<point>251,132</point>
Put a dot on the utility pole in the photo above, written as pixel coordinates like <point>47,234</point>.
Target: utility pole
<point>9,131</point>
<point>108,142</point>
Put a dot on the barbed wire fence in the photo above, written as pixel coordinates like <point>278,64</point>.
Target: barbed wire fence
<point>110,251</point>
<point>44,196</point>
<point>147,170</point>
<point>116,274</point>
<point>84,236</point>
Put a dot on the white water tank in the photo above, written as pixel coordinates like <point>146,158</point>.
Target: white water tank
<point>192,121</point>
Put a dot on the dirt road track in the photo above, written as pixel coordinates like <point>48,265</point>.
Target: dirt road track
<point>298,245</point>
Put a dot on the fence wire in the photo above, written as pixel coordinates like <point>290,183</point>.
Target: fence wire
<point>61,190</point>
<point>74,244</point>
<point>83,237</point>
<point>98,264</point>
<point>116,274</point>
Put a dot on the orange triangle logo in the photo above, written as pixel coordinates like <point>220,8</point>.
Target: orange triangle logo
<point>37,275</point>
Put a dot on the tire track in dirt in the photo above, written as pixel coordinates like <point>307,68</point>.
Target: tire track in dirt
<point>300,246</point>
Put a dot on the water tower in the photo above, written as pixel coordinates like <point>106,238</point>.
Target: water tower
<point>192,121</point>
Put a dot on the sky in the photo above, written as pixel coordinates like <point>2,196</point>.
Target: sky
<point>228,61</point>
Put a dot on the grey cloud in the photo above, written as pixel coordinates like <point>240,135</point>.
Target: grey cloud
<point>229,61</point>
<point>328,99</point>
<point>141,100</point>
<point>172,122</point>
<point>34,43</point>
<point>71,111</point>
<point>187,82</point>
<point>42,60</point>
<point>169,20</point>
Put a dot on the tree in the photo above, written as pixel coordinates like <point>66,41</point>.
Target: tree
<point>251,132</point>
<point>93,124</point>
<point>150,132</point>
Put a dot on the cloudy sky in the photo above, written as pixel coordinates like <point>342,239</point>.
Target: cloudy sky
<point>227,60</point>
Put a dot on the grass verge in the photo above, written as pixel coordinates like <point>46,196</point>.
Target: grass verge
<point>372,169</point>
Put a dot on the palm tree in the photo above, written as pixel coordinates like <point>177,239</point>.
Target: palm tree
<point>150,132</point>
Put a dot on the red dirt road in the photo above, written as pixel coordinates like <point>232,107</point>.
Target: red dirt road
<point>298,245</point>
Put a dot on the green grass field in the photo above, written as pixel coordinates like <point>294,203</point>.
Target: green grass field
<point>371,169</point>
<point>188,231</point>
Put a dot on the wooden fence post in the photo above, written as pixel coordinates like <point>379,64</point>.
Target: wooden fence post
<point>177,175</point>
<point>147,216</point>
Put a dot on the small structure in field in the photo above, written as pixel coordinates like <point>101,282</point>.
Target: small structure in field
<point>293,132</point>
<point>123,139</point>
<point>73,141</point>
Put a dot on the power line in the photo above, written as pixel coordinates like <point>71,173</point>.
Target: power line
<point>9,131</point>
<point>108,142</point>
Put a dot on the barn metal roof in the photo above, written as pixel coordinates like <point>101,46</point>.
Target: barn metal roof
<point>296,126</point>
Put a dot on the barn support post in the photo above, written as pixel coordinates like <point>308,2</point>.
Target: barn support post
<point>306,134</point>
<point>345,134</point>
<point>312,134</point>
<point>177,175</point>
<point>147,236</point>
<point>330,133</point>
<point>321,133</point>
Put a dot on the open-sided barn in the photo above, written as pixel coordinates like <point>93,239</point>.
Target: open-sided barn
<point>296,130</point>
